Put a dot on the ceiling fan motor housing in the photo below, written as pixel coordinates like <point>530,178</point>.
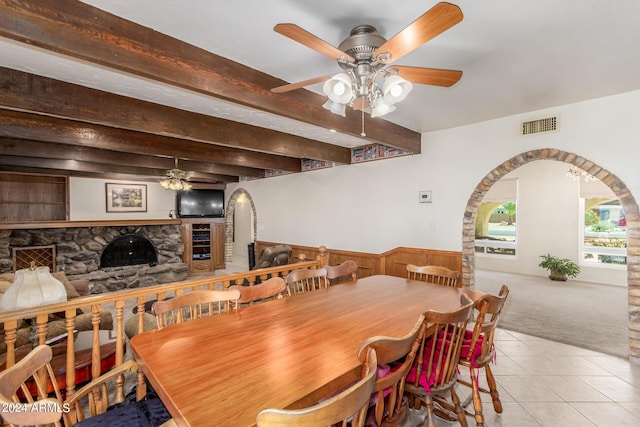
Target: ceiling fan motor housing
<point>361,43</point>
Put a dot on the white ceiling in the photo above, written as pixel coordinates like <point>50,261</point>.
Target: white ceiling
<point>516,55</point>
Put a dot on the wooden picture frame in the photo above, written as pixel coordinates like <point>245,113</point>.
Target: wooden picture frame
<point>126,197</point>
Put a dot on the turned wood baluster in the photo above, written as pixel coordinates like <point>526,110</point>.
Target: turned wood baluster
<point>140,313</point>
<point>41,328</point>
<point>141,388</point>
<point>119,395</point>
<point>226,284</point>
<point>10,328</point>
<point>95,403</point>
<point>70,324</point>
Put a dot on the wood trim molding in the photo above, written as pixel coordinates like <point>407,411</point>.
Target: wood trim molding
<point>81,224</point>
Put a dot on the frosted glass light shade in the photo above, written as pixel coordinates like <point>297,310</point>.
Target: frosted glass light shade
<point>33,287</point>
<point>338,88</point>
<point>395,89</point>
<point>380,108</point>
<point>335,108</point>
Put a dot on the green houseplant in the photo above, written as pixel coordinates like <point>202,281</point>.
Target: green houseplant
<point>559,268</point>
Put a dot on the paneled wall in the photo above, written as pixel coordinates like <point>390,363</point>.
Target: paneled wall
<point>393,262</point>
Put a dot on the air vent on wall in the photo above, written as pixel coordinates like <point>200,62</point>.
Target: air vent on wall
<point>548,124</point>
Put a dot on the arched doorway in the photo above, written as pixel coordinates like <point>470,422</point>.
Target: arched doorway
<point>239,195</point>
<point>613,182</point>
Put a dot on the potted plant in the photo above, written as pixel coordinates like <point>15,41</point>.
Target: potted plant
<point>559,268</point>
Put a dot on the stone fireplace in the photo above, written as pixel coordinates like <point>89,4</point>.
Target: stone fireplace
<point>110,257</point>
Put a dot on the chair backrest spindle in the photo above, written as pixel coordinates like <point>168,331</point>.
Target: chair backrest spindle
<point>194,305</point>
<point>34,368</point>
<point>395,358</point>
<point>433,274</point>
<point>302,280</point>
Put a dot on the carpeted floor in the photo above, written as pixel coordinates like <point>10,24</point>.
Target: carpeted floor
<point>587,315</point>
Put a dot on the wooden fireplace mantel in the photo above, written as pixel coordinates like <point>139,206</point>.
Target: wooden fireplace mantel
<point>70,224</point>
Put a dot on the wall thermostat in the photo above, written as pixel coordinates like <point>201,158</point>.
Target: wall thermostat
<point>425,196</point>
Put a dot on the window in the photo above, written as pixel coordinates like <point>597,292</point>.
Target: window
<point>496,220</point>
<point>496,229</point>
<point>604,233</point>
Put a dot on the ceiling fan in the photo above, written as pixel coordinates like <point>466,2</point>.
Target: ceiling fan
<point>369,82</point>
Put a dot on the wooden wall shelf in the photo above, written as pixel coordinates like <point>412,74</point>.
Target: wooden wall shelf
<point>70,224</point>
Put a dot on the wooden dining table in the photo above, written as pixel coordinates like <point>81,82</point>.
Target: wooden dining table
<point>287,353</point>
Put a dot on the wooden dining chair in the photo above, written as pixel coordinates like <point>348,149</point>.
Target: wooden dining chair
<point>33,369</point>
<point>435,371</point>
<point>194,305</point>
<point>107,408</point>
<point>303,280</point>
<point>433,274</point>
<point>87,407</point>
<point>269,289</point>
<point>342,273</point>
<point>349,407</point>
<point>395,357</point>
<point>479,352</point>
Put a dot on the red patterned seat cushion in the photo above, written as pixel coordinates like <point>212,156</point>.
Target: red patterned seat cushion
<point>441,353</point>
<point>477,348</point>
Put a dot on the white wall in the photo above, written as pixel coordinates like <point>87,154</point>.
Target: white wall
<point>373,207</point>
<point>87,201</point>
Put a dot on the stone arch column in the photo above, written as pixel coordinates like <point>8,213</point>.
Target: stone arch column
<point>230,218</point>
<point>618,187</point>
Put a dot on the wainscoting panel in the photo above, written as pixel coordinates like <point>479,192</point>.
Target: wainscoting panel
<point>393,262</point>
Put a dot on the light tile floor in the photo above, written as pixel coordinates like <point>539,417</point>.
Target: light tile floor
<point>545,383</point>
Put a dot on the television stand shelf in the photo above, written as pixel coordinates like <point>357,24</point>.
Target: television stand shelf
<point>204,244</point>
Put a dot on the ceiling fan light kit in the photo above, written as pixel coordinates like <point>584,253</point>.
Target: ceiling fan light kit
<point>368,82</point>
<point>176,180</point>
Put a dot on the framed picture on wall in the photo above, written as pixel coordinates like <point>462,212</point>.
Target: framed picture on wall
<point>126,197</point>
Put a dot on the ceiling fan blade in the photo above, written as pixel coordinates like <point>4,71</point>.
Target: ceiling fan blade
<point>433,22</point>
<point>306,38</point>
<point>429,76</point>
<point>294,86</point>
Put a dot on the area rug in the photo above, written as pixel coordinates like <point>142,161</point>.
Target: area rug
<point>583,314</point>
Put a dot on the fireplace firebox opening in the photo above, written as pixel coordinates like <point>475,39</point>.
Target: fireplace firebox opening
<point>129,249</point>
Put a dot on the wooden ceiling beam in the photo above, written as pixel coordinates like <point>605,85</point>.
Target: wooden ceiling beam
<point>78,174</point>
<point>42,95</point>
<point>36,149</point>
<point>23,125</point>
<point>82,31</point>
<point>65,167</point>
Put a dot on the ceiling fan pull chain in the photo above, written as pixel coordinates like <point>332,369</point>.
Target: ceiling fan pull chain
<point>362,133</point>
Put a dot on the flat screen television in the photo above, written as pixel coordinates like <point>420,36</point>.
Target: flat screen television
<point>200,203</point>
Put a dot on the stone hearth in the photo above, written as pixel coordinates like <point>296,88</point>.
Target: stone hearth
<point>78,251</point>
